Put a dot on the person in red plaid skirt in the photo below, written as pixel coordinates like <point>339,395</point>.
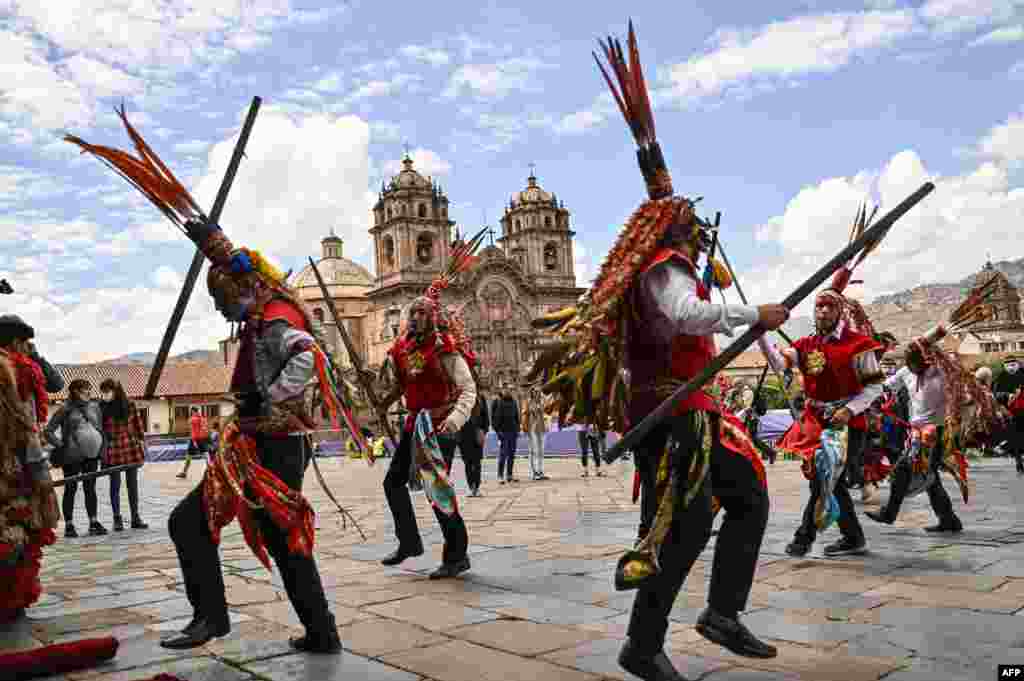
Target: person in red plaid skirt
<point>126,444</point>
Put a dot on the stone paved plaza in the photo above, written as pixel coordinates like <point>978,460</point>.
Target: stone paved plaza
<point>539,601</point>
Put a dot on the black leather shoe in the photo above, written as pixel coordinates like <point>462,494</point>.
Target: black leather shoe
<point>955,526</point>
<point>137,524</point>
<point>649,668</point>
<point>847,547</point>
<point>730,633</point>
<point>450,569</point>
<point>400,555</point>
<point>879,516</point>
<point>797,549</point>
<point>118,524</point>
<point>201,634</point>
<point>328,645</point>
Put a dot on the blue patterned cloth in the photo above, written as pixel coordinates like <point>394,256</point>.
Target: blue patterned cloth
<point>428,460</point>
<point>829,461</point>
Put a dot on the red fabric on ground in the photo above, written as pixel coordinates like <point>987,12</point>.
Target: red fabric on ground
<point>56,659</point>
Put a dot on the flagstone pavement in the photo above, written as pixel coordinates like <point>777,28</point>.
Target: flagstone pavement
<point>539,601</point>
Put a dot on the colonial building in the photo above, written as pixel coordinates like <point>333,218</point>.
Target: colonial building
<point>528,271</point>
<point>182,385</point>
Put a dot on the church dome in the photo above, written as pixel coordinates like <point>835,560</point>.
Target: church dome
<point>532,194</point>
<point>336,269</point>
<point>409,178</point>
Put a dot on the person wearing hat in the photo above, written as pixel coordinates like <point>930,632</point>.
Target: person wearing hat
<point>28,504</point>
<point>842,378</point>
<point>435,378</point>
<point>82,445</point>
<point>256,476</point>
<point>1008,391</point>
<point>649,300</point>
<point>924,379</point>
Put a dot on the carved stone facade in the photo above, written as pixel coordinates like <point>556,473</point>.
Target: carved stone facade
<point>528,274</point>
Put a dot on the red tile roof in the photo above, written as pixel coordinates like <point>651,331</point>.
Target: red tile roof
<point>177,379</point>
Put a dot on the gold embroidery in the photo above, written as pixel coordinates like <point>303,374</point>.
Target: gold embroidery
<point>417,363</point>
<point>816,362</point>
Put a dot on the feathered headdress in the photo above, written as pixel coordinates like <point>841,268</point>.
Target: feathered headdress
<point>851,311</point>
<point>156,182</point>
<point>959,385</point>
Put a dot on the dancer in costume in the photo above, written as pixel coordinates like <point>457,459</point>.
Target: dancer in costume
<point>841,377</point>
<point>28,505</point>
<point>648,314</point>
<point>1009,390</point>
<point>256,474</point>
<point>940,391</point>
<point>433,367</point>
<point>879,425</point>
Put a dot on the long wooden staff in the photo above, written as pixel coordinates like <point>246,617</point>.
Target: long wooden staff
<point>357,361</point>
<point>198,258</point>
<point>665,409</point>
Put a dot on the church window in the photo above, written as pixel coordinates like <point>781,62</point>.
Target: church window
<point>387,213</point>
<point>518,226</point>
<point>547,221</point>
<point>425,248</point>
<point>423,210</point>
<point>551,257</point>
<point>403,209</point>
<point>389,251</point>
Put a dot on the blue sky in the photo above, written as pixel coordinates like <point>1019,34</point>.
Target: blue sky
<point>783,115</point>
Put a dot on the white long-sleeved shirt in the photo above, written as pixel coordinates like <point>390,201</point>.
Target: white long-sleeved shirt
<point>458,370</point>
<point>865,364</point>
<point>670,292</point>
<point>927,394</point>
<point>298,371</point>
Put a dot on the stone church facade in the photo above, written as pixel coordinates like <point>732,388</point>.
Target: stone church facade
<point>526,271</point>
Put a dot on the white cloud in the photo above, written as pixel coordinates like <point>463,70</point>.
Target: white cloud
<point>332,82</point>
<point>300,178</point>
<point>101,80</point>
<point>583,264</point>
<point>426,162</point>
<point>427,55</point>
<point>784,49</point>
<point>1001,36</point>
<point>1005,142</point>
<point>951,16</point>
<point>579,122</point>
<point>191,147</point>
<point>495,81</point>
<point>166,278</point>
<point>381,88</point>
<point>944,238</point>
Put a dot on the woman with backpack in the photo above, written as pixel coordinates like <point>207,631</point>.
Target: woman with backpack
<point>79,448</point>
<point>125,435</point>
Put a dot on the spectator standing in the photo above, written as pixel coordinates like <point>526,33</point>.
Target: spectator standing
<point>81,443</point>
<point>1006,386</point>
<point>471,443</point>
<point>125,435</point>
<point>505,421</point>
<point>591,438</point>
<point>199,440</point>
<point>535,426</point>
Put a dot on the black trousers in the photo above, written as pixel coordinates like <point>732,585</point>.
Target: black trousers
<point>71,489</point>
<point>942,505</point>
<point>131,477</point>
<point>396,489</point>
<point>849,524</point>
<point>472,455</point>
<point>592,443</point>
<point>732,479</point>
<point>200,558</point>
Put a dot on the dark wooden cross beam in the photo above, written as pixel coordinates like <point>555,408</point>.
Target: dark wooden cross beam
<point>197,259</point>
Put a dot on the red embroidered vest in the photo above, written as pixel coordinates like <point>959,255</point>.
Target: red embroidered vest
<point>827,366</point>
<point>652,360</point>
<point>425,382</point>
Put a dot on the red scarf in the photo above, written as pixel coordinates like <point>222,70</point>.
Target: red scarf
<point>31,383</point>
